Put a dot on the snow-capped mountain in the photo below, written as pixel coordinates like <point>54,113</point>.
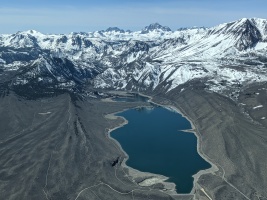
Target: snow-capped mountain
<point>155,27</point>
<point>224,58</point>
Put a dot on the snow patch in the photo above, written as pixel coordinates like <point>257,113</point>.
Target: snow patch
<point>260,106</point>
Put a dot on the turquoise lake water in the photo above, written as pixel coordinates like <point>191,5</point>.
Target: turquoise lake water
<point>155,143</point>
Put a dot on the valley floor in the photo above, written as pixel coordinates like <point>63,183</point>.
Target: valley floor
<point>58,148</point>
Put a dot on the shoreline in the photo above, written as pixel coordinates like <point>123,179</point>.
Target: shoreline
<point>170,187</point>
<point>213,167</point>
<point>195,131</point>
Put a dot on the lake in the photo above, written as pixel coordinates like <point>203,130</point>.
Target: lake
<point>155,143</point>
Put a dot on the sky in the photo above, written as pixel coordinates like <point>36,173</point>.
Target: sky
<point>58,16</point>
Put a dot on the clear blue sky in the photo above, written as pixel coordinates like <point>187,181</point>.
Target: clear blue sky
<point>58,16</point>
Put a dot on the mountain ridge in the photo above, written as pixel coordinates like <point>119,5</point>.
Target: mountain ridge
<point>223,57</point>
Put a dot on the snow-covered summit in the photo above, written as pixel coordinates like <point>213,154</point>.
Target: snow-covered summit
<point>155,27</point>
<point>114,29</point>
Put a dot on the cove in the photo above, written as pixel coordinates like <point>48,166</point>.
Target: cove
<point>155,143</point>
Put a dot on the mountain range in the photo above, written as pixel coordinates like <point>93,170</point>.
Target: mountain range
<point>224,59</point>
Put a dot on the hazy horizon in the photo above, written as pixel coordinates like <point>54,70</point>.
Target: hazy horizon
<point>86,16</point>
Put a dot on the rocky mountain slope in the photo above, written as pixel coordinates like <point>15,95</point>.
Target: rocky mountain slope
<point>224,58</point>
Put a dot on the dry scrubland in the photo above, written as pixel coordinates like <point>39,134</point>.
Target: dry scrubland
<point>58,147</point>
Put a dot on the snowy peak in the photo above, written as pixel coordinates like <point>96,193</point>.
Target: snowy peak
<point>33,32</point>
<point>21,40</point>
<point>248,34</point>
<point>244,33</point>
<point>155,27</point>
<point>244,27</point>
<point>114,29</point>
